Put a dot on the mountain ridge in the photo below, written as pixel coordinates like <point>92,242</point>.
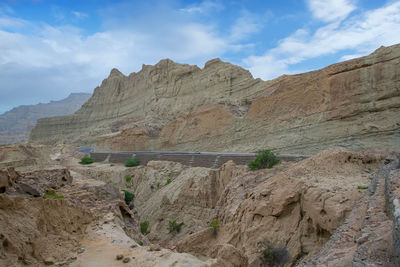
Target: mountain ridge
<point>15,124</point>
<point>222,108</point>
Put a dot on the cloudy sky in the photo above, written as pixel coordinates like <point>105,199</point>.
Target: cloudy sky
<point>50,48</point>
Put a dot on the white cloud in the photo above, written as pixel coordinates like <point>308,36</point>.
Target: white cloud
<point>362,34</point>
<point>79,15</point>
<point>245,25</point>
<point>204,7</point>
<point>54,60</point>
<point>331,10</point>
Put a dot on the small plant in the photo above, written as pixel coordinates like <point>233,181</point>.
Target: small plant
<point>169,180</point>
<point>86,161</point>
<point>129,186</point>
<point>271,256</point>
<point>246,101</point>
<point>132,162</point>
<point>128,178</point>
<point>143,227</point>
<point>158,185</point>
<point>129,196</point>
<point>173,226</point>
<point>140,243</point>
<point>265,159</point>
<point>214,226</point>
<point>362,187</point>
<point>50,194</point>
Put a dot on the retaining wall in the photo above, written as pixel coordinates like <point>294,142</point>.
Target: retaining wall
<point>209,160</point>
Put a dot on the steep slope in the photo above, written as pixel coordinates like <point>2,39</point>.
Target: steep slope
<point>16,124</point>
<point>221,107</point>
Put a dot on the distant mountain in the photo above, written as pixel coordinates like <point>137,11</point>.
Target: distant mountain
<point>16,124</point>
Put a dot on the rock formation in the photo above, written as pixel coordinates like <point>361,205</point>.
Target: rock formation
<point>16,124</point>
<point>296,205</point>
<point>221,107</point>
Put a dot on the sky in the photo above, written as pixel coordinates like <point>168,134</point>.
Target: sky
<point>51,48</point>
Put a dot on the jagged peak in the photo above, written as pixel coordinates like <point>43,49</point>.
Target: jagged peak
<point>115,72</point>
<point>212,61</point>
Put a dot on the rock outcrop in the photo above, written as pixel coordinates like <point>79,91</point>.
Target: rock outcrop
<point>296,206</point>
<point>16,124</point>
<point>221,107</point>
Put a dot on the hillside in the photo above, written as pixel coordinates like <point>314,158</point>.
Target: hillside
<point>170,106</point>
<point>16,124</point>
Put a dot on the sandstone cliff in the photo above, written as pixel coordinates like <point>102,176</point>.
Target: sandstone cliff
<point>16,124</point>
<point>221,107</point>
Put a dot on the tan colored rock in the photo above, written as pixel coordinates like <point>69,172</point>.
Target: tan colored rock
<point>150,98</point>
<point>221,107</point>
<point>7,178</point>
<point>297,206</point>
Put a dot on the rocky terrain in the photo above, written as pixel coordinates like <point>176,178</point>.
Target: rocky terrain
<point>327,210</point>
<point>332,209</point>
<point>16,124</point>
<point>221,107</point>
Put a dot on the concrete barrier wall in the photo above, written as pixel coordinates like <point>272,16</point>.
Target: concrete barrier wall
<point>209,160</point>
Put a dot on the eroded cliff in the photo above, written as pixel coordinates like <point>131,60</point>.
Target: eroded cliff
<point>221,107</point>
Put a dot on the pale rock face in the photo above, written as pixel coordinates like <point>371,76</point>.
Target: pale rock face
<point>298,205</point>
<point>221,107</point>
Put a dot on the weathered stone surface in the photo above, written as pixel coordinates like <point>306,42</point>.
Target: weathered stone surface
<point>7,178</point>
<point>221,107</point>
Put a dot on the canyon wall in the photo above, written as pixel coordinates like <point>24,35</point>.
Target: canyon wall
<point>175,107</point>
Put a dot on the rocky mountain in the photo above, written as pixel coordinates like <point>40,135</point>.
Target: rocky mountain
<point>170,106</point>
<point>16,124</point>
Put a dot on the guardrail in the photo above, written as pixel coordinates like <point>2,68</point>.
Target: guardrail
<point>193,159</point>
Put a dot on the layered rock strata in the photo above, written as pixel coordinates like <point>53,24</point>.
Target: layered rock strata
<point>221,107</point>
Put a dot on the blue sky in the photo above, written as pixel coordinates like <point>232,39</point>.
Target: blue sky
<point>50,48</point>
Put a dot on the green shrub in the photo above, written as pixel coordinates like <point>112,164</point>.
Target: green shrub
<point>129,196</point>
<point>246,101</point>
<point>132,162</point>
<point>361,187</point>
<point>265,159</point>
<point>173,226</point>
<point>143,227</point>
<point>158,185</point>
<point>86,161</point>
<point>274,256</point>
<point>214,226</point>
<point>169,180</point>
<point>128,179</point>
<point>50,194</point>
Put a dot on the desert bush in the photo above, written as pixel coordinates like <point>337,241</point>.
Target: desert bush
<point>265,159</point>
<point>50,194</point>
<point>129,196</point>
<point>169,180</point>
<point>86,161</point>
<point>173,226</point>
<point>362,187</point>
<point>128,178</point>
<point>273,256</point>
<point>214,226</point>
<point>132,162</point>
<point>144,227</point>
